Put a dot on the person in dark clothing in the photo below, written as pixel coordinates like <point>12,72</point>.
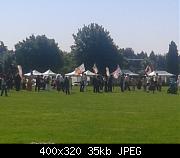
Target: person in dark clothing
<point>94,83</point>
<point>17,82</point>
<point>58,87</point>
<point>66,85</point>
<point>101,82</point>
<point>127,79</point>
<point>152,85</point>
<point>0,81</point>
<point>4,86</point>
<point>82,83</point>
<point>106,84</point>
<point>110,83</point>
<point>38,83</point>
<point>122,83</point>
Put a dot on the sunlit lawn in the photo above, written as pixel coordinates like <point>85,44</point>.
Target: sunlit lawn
<point>52,117</point>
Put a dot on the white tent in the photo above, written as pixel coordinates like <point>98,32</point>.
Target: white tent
<point>74,77</point>
<point>49,73</point>
<point>161,73</point>
<point>34,73</point>
<point>130,73</point>
<point>71,74</point>
<point>89,73</point>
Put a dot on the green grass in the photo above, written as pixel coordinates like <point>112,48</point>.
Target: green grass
<point>51,117</point>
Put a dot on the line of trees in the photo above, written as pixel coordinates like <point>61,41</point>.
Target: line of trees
<point>92,44</point>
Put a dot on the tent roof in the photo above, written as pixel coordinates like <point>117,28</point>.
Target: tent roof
<point>49,72</point>
<point>34,73</point>
<point>71,74</point>
<point>130,73</point>
<point>89,73</point>
<point>161,73</point>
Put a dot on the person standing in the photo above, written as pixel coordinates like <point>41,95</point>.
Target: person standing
<point>66,85</point>
<point>122,83</point>
<point>110,83</point>
<point>82,83</point>
<point>178,82</point>
<point>29,84</point>
<point>4,86</point>
<point>17,82</point>
<point>106,83</point>
<point>38,84</point>
<point>159,83</point>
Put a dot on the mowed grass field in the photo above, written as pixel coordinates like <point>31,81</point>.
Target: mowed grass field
<point>52,117</point>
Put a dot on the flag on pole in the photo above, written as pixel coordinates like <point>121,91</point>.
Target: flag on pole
<point>148,70</point>
<point>95,69</point>
<point>117,72</point>
<point>107,71</point>
<point>20,71</point>
<point>79,70</point>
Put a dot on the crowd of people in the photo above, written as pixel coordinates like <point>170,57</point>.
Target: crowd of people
<point>100,83</point>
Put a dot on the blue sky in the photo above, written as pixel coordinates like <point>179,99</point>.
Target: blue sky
<point>139,24</point>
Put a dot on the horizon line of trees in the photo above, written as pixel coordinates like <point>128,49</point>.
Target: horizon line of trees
<point>92,45</point>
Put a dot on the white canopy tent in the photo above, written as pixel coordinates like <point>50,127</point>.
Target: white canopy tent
<point>49,73</point>
<point>75,78</point>
<point>164,75</point>
<point>71,74</point>
<point>89,73</point>
<point>130,73</point>
<point>161,73</point>
<point>34,73</point>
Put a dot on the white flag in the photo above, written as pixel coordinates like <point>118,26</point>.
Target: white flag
<point>20,71</point>
<point>79,70</point>
<point>95,69</point>
<point>148,70</point>
<point>107,71</point>
<point>117,72</point>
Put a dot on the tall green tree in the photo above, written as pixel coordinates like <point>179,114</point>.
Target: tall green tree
<point>7,59</point>
<point>153,60</point>
<point>69,62</point>
<point>93,44</point>
<point>3,48</point>
<point>172,59</point>
<point>39,52</point>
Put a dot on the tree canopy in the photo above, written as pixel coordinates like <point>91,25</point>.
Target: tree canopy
<point>172,59</point>
<point>39,52</point>
<point>93,44</point>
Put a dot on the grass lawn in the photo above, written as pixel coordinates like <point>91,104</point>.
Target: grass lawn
<point>51,117</point>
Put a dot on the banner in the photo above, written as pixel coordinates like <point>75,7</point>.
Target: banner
<point>107,71</point>
<point>148,70</point>
<point>117,72</point>
<point>20,71</point>
<point>95,69</point>
<point>79,70</point>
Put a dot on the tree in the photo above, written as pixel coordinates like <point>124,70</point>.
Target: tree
<point>7,60</point>
<point>3,48</point>
<point>39,53</point>
<point>172,59</point>
<point>161,62</point>
<point>69,62</point>
<point>153,60</point>
<point>93,44</point>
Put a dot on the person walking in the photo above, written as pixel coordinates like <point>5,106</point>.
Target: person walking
<point>4,86</point>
